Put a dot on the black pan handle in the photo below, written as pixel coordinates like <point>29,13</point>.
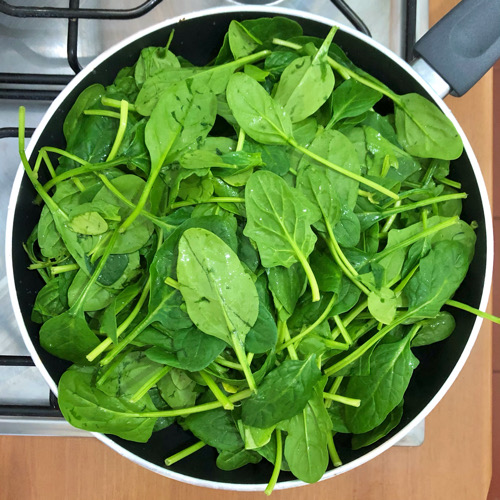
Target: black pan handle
<point>463,45</point>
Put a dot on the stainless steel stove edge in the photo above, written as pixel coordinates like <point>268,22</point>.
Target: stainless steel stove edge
<point>34,426</point>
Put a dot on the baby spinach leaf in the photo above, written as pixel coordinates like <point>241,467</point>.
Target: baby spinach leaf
<point>274,158</point>
<point>283,393</point>
<point>255,72</point>
<point>315,184</point>
<point>267,28</point>
<point>108,322</point>
<point>327,271</point>
<point>151,61</point>
<point>138,233</point>
<point>384,159</point>
<point>440,273</point>
<point>49,240</point>
<point>392,264</point>
<point>241,41</point>
<point>133,148</point>
<point>215,428</point>
<point>370,437</point>
<point>384,125</point>
<point>116,267</point>
<point>247,252</point>
<point>253,436</point>
<point>98,297</point>
<point>391,367</point>
<point>123,86</point>
<point>195,350</point>
<point>382,305</point>
<point>347,231</point>
<point>263,335</point>
<point>181,118</point>
<point>352,98</point>
<point>279,220</point>
<point>336,414</point>
<point>423,130</point>
<point>434,329</point>
<point>221,298</point>
<point>305,447</point>
<point>231,460</point>
<point>128,375</point>
<point>165,260</point>
<point>89,223</point>
<point>68,337</point>
<point>460,232</point>
<point>48,302</point>
<point>86,407</point>
<point>88,98</point>
<point>338,149</point>
<point>348,297</point>
<point>277,61</point>
<point>306,83</point>
<point>287,285</point>
<point>260,116</point>
<point>178,389</point>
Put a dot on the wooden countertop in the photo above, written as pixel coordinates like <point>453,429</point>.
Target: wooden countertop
<point>453,463</point>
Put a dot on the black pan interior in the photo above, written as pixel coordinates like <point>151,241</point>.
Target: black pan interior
<point>436,363</point>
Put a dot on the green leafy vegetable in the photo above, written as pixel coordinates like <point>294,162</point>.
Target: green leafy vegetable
<point>247,249</point>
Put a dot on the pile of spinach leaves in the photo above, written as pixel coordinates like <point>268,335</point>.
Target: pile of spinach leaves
<point>247,249</point>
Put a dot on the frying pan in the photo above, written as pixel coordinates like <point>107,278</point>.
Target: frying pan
<point>198,37</point>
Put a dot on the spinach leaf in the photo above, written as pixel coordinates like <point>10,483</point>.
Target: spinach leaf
<point>315,183</point>
<point>305,447</point>
<point>440,273</point>
<point>226,436</point>
<point>151,61</point>
<point>231,460</point>
<point>262,118</point>
<point>327,271</point>
<point>434,329</point>
<point>88,98</point>
<point>185,348</point>
<point>178,389</point>
<point>367,438</point>
<point>306,83</point>
<point>74,347</point>
<point>382,305</point>
<point>180,119</point>
<point>424,131</point>
<point>279,220</point>
<point>98,296</point>
<point>48,302</point>
<point>86,407</point>
<point>391,367</point>
<point>287,285</point>
<point>352,98</point>
<point>337,148</point>
<point>127,376</point>
<point>283,393</point>
<point>205,262</point>
<point>241,41</point>
<point>274,158</point>
<point>263,335</point>
<point>347,231</point>
<point>221,298</point>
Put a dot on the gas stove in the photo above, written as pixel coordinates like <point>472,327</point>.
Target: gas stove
<point>42,49</point>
